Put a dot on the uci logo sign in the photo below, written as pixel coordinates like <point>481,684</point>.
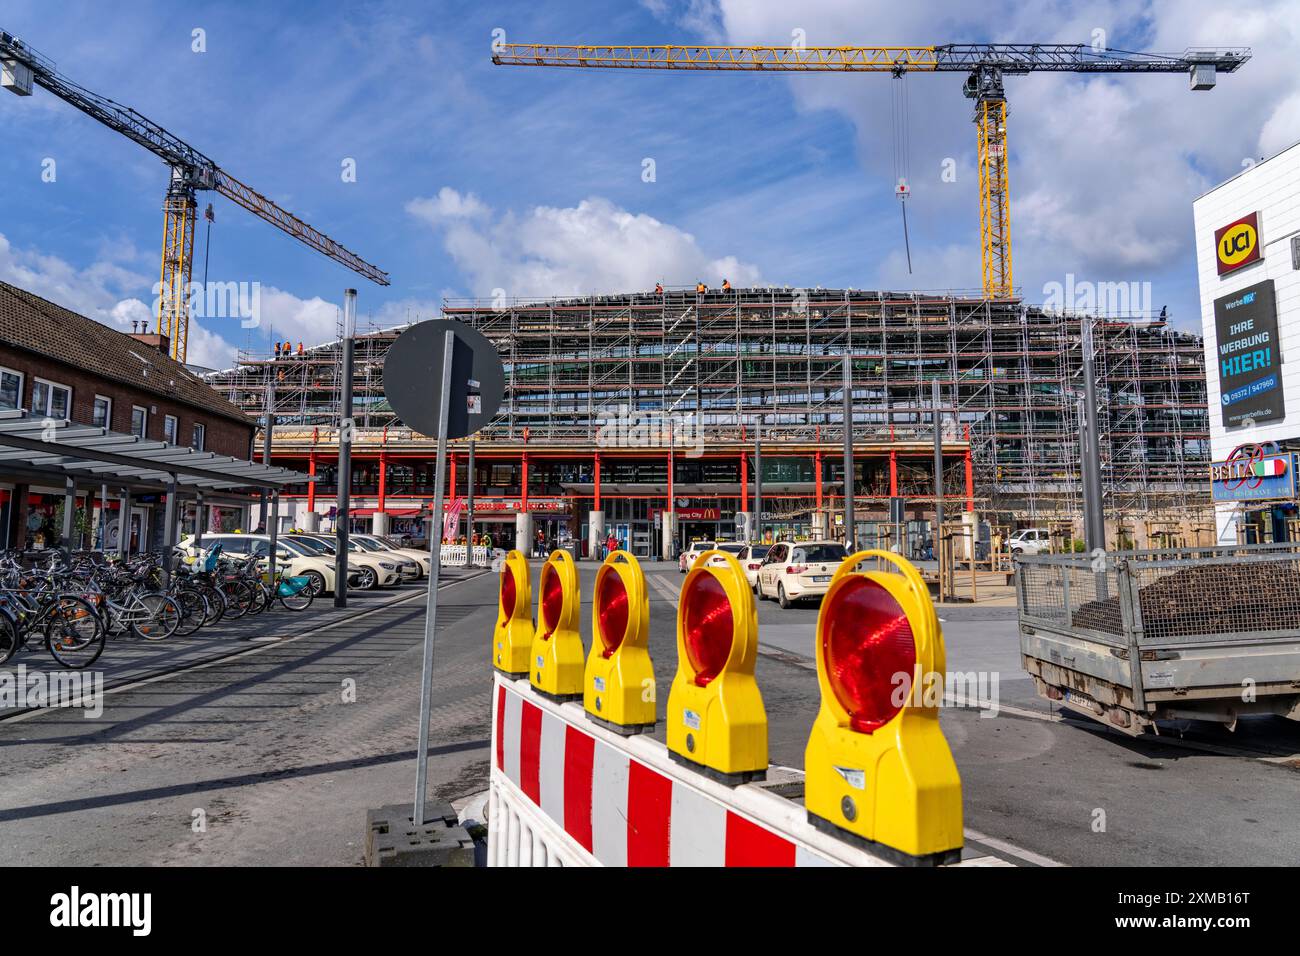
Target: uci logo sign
<point>1237,244</point>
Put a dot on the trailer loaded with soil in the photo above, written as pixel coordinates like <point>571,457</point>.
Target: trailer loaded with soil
<point>1136,637</point>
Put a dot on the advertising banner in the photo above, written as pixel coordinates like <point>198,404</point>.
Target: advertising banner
<point>1249,360</point>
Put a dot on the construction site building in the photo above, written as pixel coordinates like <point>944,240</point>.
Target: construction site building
<point>604,392</point>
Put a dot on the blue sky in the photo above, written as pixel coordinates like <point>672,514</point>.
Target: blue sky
<point>473,178</point>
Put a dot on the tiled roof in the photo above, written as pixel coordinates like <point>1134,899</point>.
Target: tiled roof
<point>37,325</point>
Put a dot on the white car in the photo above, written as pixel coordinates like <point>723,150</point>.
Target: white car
<point>750,557</point>
<point>376,569</point>
<point>293,558</point>
<point>1030,541</point>
<point>696,549</point>
<point>418,556</point>
<point>791,572</point>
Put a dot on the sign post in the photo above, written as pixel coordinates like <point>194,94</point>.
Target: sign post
<point>460,369</point>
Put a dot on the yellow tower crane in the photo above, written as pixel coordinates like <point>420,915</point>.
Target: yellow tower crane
<point>21,67</point>
<point>985,64</point>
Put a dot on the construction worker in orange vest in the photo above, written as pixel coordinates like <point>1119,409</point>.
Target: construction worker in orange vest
<point>659,288</point>
<point>701,288</point>
<point>726,285</point>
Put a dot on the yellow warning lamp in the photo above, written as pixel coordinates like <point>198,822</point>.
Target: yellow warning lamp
<point>878,771</point>
<point>512,640</point>
<point>619,684</point>
<point>716,721</point>
<point>556,670</point>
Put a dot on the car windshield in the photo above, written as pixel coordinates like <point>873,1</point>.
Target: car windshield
<point>306,544</point>
<point>703,546</point>
<point>293,547</point>
<point>326,546</point>
<point>365,544</point>
<point>732,548</point>
<point>389,542</point>
<point>820,553</point>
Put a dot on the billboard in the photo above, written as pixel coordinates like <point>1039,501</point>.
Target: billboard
<point>1237,244</point>
<point>1248,356</point>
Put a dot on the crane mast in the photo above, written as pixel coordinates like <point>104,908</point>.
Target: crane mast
<point>985,65</point>
<point>191,171</point>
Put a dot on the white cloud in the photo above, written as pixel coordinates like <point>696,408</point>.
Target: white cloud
<point>594,247</point>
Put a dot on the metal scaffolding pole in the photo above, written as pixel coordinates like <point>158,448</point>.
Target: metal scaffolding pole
<point>342,521</point>
<point>850,491</point>
<point>1094,515</point>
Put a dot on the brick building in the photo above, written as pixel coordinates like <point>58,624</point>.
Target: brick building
<point>56,363</point>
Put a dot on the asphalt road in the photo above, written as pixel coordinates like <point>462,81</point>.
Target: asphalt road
<point>266,750</point>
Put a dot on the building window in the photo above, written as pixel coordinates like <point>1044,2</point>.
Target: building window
<point>11,389</point>
<point>139,420</point>
<point>103,413</point>
<point>51,399</point>
<point>169,429</point>
<point>196,437</point>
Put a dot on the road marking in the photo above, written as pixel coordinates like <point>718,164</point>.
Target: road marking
<point>235,655</point>
<point>1029,856</point>
<point>664,587</point>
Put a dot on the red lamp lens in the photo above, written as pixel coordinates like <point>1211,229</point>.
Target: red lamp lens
<point>867,643</point>
<point>612,611</point>
<point>507,593</point>
<point>708,628</point>
<point>552,599</point>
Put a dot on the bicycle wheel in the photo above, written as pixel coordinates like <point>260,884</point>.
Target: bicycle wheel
<point>298,602</point>
<point>194,611</point>
<point>9,639</point>
<point>74,632</point>
<point>238,597</point>
<point>261,598</point>
<point>216,604</point>
<point>157,618</point>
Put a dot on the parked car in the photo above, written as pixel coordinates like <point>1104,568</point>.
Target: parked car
<point>411,562</point>
<point>377,570</point>
<point>750,557</point>
<point>1030,541</point>
<point>792,572</point>
<point>294,558</point>
<point>696,549</point>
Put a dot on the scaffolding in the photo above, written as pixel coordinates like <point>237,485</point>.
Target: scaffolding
<point>748,360</point>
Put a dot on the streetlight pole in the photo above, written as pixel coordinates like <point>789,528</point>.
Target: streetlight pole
<point>342,522</point>
<point>1094,515</point>
<point>850,522</point>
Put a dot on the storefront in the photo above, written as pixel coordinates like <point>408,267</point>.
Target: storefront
<point>1259,483</point>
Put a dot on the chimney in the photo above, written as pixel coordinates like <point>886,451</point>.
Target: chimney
<point>155,340</point>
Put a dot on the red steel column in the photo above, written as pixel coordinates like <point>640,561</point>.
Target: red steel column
<point>744,482</point>
<point>311,485</point>
<point>383,481</point>
<point>817,478</point>
<point>523,484</point>
<point>893,473</point>
<point>451,487</point>
<point>596,506</point>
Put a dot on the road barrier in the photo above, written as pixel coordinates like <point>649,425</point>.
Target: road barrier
<point>581,785</point>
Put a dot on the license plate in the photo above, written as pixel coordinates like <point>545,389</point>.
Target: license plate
<point>821,578</point>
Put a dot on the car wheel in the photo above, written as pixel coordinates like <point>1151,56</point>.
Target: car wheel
<point>315,582</point>
<point>1017,550</point>
<point>781,598</point>
<point>367,580</point>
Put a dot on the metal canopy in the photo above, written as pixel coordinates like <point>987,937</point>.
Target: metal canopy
<point>71,449</point>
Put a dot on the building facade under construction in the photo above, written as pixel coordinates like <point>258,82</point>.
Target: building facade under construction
<point>629,414</point>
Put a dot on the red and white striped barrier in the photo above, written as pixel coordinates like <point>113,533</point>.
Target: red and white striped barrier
<point>567,792</point>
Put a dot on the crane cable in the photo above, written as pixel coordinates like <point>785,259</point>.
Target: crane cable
<point>899,115</point>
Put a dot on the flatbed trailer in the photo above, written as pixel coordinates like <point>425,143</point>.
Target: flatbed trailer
<point>1131,638</point>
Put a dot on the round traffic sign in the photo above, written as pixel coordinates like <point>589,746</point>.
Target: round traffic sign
<point>413,378</point>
